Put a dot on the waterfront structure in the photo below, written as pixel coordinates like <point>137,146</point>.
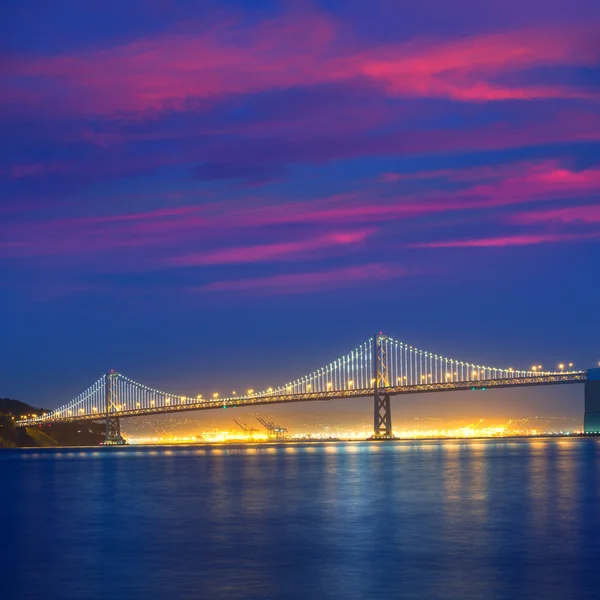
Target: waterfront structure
<point>591,420</point>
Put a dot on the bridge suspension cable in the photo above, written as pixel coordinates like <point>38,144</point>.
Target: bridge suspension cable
<point>379,363</point>
<point>90,402</point>
<point>352,371</point>
<point>407,365</point>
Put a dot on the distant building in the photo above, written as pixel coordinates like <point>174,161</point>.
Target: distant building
<point>591,420</point>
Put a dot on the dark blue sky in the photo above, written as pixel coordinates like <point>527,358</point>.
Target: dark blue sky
<point>225,196</point>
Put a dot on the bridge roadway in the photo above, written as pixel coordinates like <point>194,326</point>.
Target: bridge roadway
<point>262,399</point>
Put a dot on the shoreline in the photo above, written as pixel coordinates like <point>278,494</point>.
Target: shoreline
<point>300,441</point>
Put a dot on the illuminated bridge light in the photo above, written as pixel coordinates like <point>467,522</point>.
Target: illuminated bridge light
<point>398,364</point>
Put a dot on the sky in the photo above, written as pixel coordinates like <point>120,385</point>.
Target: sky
<point>219,195</point>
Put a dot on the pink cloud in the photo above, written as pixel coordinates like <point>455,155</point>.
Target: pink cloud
<point>195,234</point>
<point>274,252</point>
<point>169,70</point>
<point>506,185</point>
<point>526,239</point>
<point>164,71</point>
<point>550,127</point>
<point>298,283</point>
<point>77,237</point>
<point>464,69</point>
<point>391,177</point>
<point>466,174</point>
<point>19,171</point>
<point>537,182</point>
<point>569,214</point>
<point>207,225</point>
<point>316,145</point>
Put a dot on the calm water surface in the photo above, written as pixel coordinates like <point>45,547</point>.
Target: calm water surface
<point>452,519</point>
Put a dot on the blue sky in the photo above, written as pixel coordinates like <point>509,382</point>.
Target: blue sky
<point>229,195</point>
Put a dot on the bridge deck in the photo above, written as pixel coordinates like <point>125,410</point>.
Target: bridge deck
<point>242,401</point>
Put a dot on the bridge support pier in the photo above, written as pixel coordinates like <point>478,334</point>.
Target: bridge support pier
<point>113,425</point>
<point>591,419</point>
<point>382,424</point>
<point>113,432</point>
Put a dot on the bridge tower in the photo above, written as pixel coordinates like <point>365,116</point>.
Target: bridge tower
<point>382,423</point>
<point>113,425</point>
<point>591,419</point>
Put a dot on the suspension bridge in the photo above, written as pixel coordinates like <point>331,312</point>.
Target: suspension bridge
<point>379,368</point>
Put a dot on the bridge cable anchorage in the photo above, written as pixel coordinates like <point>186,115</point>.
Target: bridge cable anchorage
<point>379,368</point>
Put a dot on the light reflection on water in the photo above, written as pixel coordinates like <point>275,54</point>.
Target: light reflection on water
<point>447,519</point>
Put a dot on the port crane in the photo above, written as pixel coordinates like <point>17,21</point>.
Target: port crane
<point>275,432</point>
<point>248,431</point>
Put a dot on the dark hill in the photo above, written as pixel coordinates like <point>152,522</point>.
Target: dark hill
<point>16,408</point>
<point>50,434</point>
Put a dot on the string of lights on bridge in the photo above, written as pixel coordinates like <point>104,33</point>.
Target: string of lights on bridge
<point>402,365</point>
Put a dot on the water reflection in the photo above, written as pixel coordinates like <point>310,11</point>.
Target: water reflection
<point>448,519</point>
